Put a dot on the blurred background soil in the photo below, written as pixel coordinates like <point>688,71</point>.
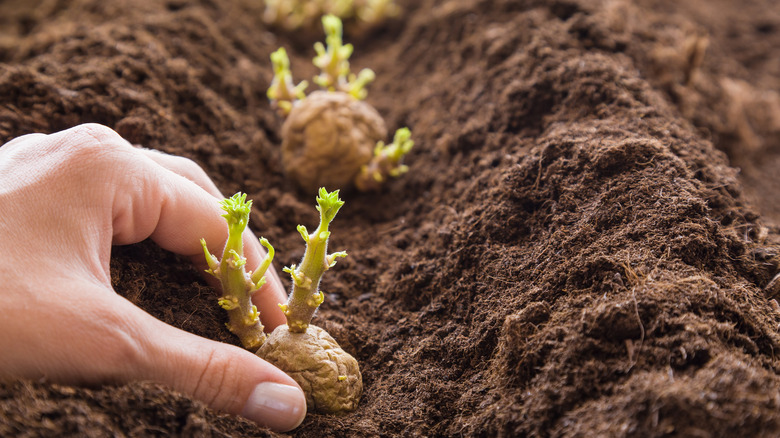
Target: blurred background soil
<point>584,246</point>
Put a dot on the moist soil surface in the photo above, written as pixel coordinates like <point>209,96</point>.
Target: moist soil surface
<point>584,244</point>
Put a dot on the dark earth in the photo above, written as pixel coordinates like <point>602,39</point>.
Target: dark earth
<point>584,245</point>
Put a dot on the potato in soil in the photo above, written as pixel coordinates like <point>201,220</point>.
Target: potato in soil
<point>328,375</point>
<point>327,138</point>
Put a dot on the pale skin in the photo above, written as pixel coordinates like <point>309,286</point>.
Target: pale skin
<point>66,198</point>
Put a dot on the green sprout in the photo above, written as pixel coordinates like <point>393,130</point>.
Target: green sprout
<point>356,86</point>
<point>282,90</point>
<point>333,61</point>
<point>238,285</point>
<point>306,296</point>
<point>386,161</point>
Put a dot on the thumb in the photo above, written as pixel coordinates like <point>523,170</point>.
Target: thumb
<point>226,377</point>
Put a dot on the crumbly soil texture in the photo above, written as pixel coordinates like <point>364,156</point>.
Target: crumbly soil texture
<point>584,245</point>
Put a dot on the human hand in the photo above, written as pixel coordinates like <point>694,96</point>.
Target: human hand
<point>65,199</point>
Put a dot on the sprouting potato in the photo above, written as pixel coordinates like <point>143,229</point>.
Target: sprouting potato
<point>332,136</point>
<point>329,376</point>
<point>328,138</point>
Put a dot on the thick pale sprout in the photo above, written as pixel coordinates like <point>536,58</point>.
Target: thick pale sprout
<point>386,162</point>
<point>283,92</point>
<point>238,284</point>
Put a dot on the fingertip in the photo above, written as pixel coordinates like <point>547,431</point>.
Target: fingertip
<point>275,405</point>
<point>227,378</point>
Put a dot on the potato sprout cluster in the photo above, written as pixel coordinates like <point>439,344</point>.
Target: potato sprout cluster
<point>332,138</point>
<point>329,376</point>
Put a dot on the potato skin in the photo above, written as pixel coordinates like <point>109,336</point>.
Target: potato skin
<point>329,376</point>
<point>327,138</point>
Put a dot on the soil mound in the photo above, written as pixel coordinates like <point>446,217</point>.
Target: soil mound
<point>573,252</point>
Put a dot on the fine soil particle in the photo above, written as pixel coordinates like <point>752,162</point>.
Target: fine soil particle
<point>573,252</point>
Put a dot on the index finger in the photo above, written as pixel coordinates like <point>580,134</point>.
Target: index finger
<point>272,293</point>
<point>149,199</point>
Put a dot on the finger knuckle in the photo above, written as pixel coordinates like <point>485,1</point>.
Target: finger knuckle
<point>92,141</point>
<point>188,168</point>
<point>121,349</point>
<point>214,383</point>
<point>91,149</point>
<point>100,133</point>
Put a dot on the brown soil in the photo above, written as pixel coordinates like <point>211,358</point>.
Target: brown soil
<point>573,253</point>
